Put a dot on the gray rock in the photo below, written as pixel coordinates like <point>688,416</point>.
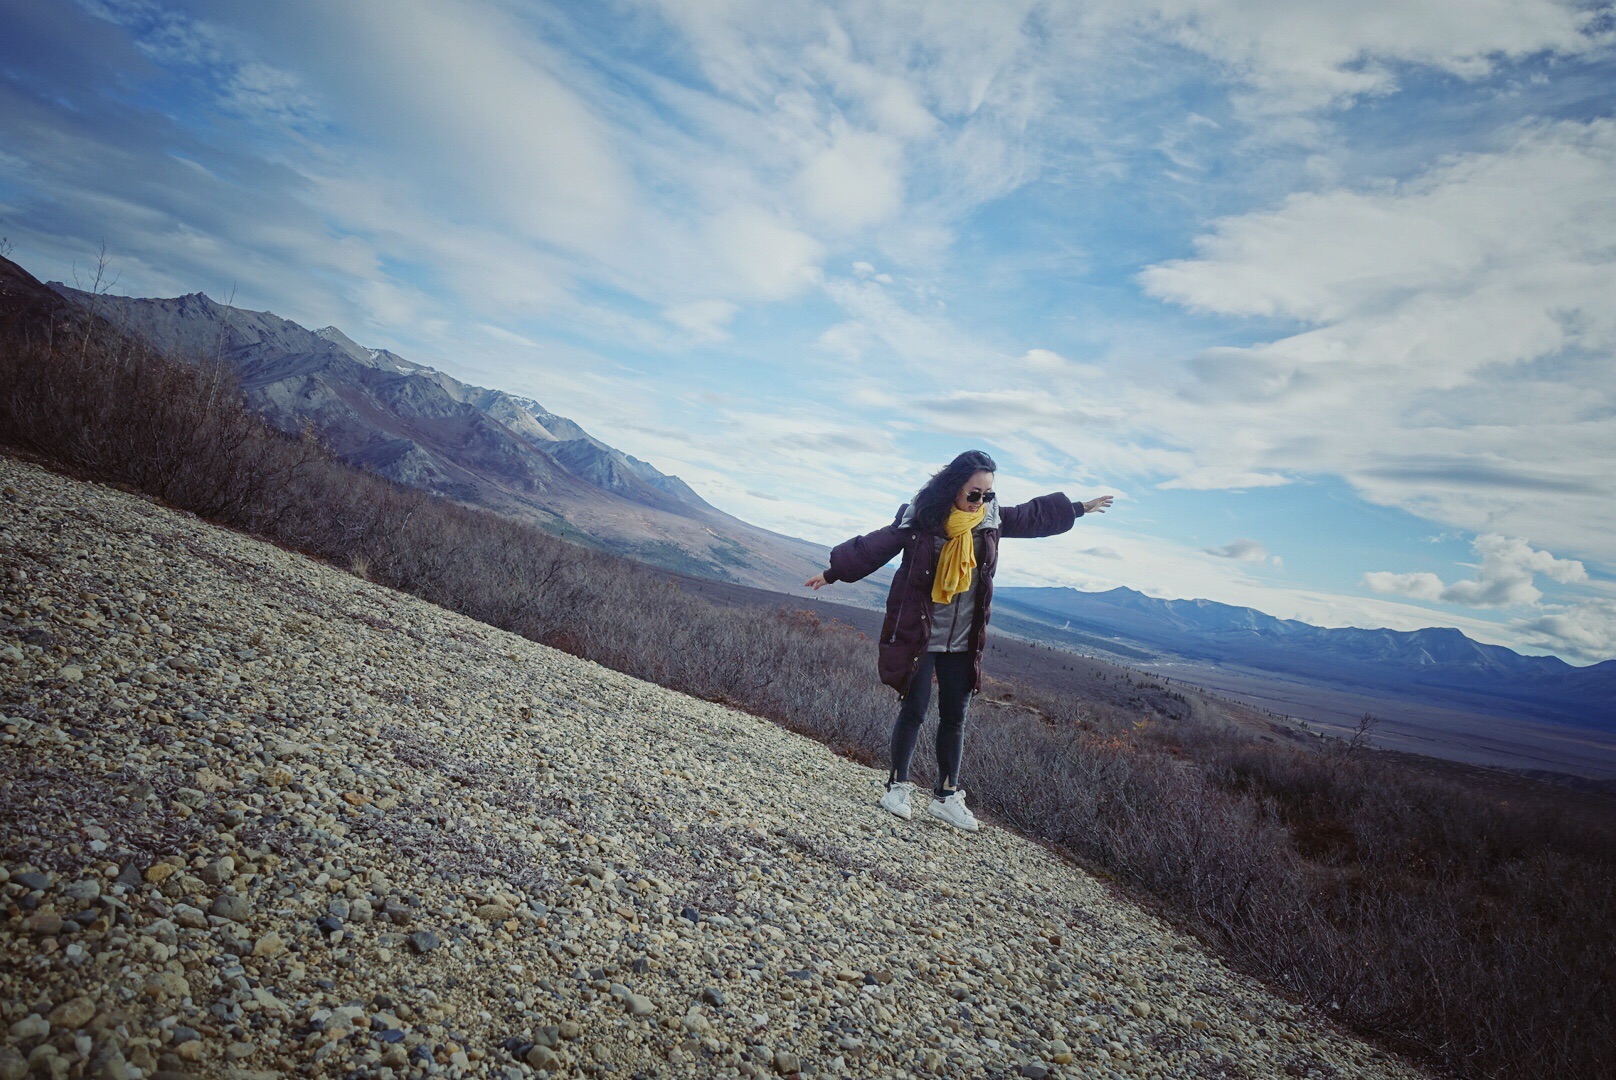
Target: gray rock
<point>219,871</point>
<point>83,891</point>
<point>424,941</point>
<point>234,908</point>
<point>72,1014</point>
<point>32,1026</point>
<point>32,880</point>
<point>13,1066</point>
<point>189,917</point>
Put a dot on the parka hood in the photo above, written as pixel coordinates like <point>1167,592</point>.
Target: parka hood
<point>906,516</point>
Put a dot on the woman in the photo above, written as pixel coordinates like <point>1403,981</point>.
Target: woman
<point>938,607</point>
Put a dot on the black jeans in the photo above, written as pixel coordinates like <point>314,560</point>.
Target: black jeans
<point>954,672</point>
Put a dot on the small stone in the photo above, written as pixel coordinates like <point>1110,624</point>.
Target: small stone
<point>109,1065</point>
<point>43,924</point>
<point>712,997</point>
<point>786,1062</point>
<point>234,908</point>
<point>360,911</point>
<point>32,1026</point>
<point>72,1014</point>
<point>189,1050</point>
<point>219,871</point>
<point>71,673</point>
<point>163,985</point>
<point>13,1066</point>
<point>542,1057</point>
<point>1140,1008</point>
<point>83,891</point>
<point>240,1051</point>
<point>570,1029</point>
<point>690,913</point>
<point>269,945</point>
<point>424,941</point>
<point>189,917</point>
<point>32,881</point>
<point>1034,1072</point>
<point>932,1061</point>
<point>328,924</point>
<point>638,1005</point>
<point>157,873</point>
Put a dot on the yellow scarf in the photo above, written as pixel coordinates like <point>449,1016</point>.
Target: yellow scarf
<point>959,555</point>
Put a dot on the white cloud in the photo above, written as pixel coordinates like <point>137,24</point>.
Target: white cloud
<point>1585,631</point>
<point>1504,577</point>
<point>1306,55</point>
<point>1456,353</point>
<point>770,259</point>
<point>1242,550</point>
<point>705,319</point>
<point>1422,585</point>
<point>854,183</point>
<point>1043,360</point>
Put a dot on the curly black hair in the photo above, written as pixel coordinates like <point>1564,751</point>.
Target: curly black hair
<point>937,497</point>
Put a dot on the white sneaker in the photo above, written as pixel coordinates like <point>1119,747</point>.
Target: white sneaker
<point>895,800</point>
<point>954,811</point>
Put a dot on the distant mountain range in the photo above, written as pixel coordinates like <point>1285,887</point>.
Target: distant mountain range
<point>1437,665</point>
<point>423,428</point>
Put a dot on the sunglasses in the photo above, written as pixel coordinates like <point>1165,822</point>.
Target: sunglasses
<point>974,497</point>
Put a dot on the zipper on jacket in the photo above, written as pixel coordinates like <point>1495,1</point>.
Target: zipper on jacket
<point>897,621</point>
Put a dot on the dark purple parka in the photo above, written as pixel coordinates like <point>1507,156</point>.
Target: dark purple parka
<point>906,631</point>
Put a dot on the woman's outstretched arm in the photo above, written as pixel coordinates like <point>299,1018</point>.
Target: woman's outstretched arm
<point>860,557</point>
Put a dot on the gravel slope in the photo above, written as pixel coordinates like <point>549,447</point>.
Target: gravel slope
<point>263,818</point>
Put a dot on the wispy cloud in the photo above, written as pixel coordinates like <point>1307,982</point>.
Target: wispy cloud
<point>1243,550</point>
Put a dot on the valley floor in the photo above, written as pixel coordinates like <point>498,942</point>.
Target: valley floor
<point>1411,727</point>
<point>262,818</point>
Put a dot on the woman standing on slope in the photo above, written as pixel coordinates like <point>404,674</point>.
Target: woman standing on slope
<point>938,607</point>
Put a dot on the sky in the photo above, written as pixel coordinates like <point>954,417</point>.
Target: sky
<point>1323,293</point>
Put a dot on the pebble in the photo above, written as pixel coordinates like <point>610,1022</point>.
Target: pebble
<point>234,908</point>
<point>343,832</point>
<point>72,1014</point>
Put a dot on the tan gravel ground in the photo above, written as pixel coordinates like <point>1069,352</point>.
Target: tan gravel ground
<point>263,818</point>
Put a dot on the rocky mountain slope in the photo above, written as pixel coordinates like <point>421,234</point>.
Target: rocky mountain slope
<point>483,447</point>
<point>1438,664</point>
<point>263,818</point>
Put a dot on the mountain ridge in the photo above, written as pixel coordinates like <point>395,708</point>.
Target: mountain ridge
<point>424,428</point>
<point>1434,663</point>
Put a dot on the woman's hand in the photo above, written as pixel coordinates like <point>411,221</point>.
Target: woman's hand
<point>1097,506</point>
<point>816,582</point>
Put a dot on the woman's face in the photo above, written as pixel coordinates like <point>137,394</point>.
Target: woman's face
<point>981,484</point>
